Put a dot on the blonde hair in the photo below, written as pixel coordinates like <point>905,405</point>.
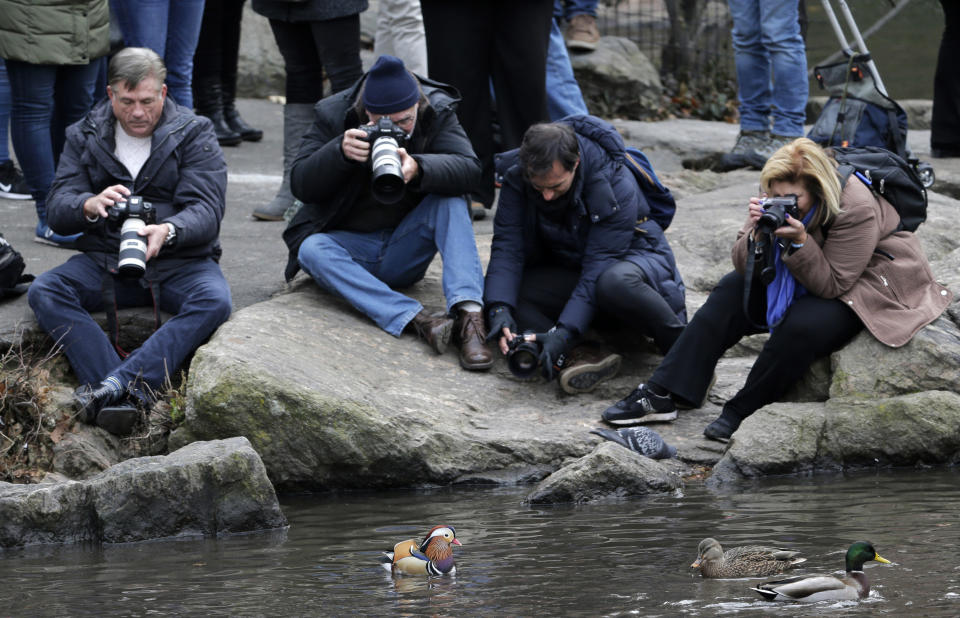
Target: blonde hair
<point>803,161</point>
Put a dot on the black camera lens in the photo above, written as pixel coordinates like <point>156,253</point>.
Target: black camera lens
<point>523,359</point>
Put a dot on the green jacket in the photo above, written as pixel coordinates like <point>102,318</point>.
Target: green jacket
<point>54,31</point>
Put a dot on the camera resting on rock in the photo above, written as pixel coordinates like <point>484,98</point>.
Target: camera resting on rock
<point>132,216</point>
<point>775,211</point>
<point>386,178</point>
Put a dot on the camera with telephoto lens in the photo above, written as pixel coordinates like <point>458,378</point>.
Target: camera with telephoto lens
<point>132,216</point>
<point>386,177</point>
<point>775,211</point>
<point>523,357</point>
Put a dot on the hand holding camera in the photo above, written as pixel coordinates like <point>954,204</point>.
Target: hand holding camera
<point>778,216</point>
<point>97,205</point>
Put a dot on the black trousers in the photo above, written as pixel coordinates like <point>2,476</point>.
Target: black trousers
<point>470,43</point>
<point>812,327</point>
<point>945,126</point>
<point>215,60</point>
<point>310,47</point>
<point>623,295</point>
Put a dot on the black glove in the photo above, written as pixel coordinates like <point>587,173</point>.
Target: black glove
<point>498,318</point>
<point>553,345</point>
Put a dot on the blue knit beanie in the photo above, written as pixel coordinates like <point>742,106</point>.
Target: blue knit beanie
<point>389,87</point>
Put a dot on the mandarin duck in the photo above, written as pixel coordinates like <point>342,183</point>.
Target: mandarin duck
<point>431,556</point>
<point>746,561</point>
<point>852,586</point>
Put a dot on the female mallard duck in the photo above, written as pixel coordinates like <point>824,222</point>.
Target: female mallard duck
<point>431,556</point>
<point>746,561</point>
<point>852,586</point>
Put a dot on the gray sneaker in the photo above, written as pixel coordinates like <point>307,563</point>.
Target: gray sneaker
<point>747,151</point>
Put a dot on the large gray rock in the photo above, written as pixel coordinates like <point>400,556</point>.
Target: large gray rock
<point>610,471</point>
<point>843,433</point>
<point>617,79</point>
<point>206,488</point>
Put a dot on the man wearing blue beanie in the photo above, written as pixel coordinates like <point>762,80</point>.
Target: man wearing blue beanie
<point>382,174</point>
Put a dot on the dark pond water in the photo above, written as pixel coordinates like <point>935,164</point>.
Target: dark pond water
<point>628,557</point>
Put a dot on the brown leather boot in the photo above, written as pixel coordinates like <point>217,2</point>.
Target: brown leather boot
<point>474,353</point>
<point>587,365</point>
<point>582,33</point>
<point>434,328</point>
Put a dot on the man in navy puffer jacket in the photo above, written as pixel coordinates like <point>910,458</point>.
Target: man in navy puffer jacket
<point>573,241</point>
<point>136,142</point>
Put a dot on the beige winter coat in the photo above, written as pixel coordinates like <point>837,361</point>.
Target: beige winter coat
<point>881,274</point>
<point>54,31</point>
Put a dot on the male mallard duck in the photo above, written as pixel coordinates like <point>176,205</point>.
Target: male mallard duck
<point>746,561</point>
<point>851,587</point>
<point>431,556</point>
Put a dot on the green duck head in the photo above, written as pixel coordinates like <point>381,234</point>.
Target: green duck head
<point>860,552</point>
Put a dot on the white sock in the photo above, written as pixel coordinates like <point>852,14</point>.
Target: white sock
<point>469,305</point>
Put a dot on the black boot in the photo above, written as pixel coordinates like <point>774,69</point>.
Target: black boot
<point>229,54</point>
<point>207,97</point>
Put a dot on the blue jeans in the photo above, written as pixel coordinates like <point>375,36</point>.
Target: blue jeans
<point>364,267</point>
<point>195,292</point>
<point>766,36</point>
<point>169,27</point>
<point>563,92</point>
<point>565,9</point>
<point>47,98</point>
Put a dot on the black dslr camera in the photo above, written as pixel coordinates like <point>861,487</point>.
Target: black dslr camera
<point>523,357</point>
<point>132,216</point>
<point>386,178</point>
<point>775,213</point>
<point>774,216</point>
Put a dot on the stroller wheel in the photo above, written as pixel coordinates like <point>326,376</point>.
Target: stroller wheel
<point>925,172</point>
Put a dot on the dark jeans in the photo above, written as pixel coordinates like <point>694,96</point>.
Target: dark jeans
<point>470,42</point>
<point>195,292</point>
<point>46,100</point>
<point>310,47</point>
<point>945,125</point>
<point>622,294</point>
<point>812,327</point>
<point>215,60</point>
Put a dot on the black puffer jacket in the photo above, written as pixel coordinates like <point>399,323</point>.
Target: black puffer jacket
<point>605,222</point>
<point>185,178</point>
<point>329,184</point>
<point>308,10</point>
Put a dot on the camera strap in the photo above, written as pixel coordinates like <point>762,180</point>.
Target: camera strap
<point>109,293</point>
<point>752,257</point>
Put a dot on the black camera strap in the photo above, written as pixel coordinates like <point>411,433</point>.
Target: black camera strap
<point>752,257</point>
<point>109,293</point>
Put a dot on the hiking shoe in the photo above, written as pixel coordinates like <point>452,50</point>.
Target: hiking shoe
<point>582,33</point>
<point>12,184</point>
<point>586,366</point>
<point>640,406</point>
<point>748,151</point>
<point>721,429</point>
<point>774,143</point>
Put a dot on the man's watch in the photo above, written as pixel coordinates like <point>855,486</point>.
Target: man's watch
<point>171,235</point>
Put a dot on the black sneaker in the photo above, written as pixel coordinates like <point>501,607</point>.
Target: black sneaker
<point>12,184</point>
<point>640,406</point>
<point>721,429</point>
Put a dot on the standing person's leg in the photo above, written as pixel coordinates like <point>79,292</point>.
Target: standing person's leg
<point>400,33</point>
<point>563,92</point>
<point>143,23</point>
<point>304,87</point>
<point>73,97</point>
<point>788,59</point>
<point>812,328</point>
<point>753,85</point>
<point>208,90</point>
<point>459,42</point>
<point>945,125</point>
<point>337,42</point>
<point>183,32</point>
<point>32,87</point>
<point>12,184</point>
<point>520,66</point>
<point>230,56</point>
<point>623,290</point>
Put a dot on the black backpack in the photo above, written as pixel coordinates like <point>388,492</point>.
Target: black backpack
<point>12,280</point>
<point>889,176</point>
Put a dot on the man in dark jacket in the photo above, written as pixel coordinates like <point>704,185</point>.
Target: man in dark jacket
<point>572,239</point>
<point>136,142</point>
<point>361,243</point>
